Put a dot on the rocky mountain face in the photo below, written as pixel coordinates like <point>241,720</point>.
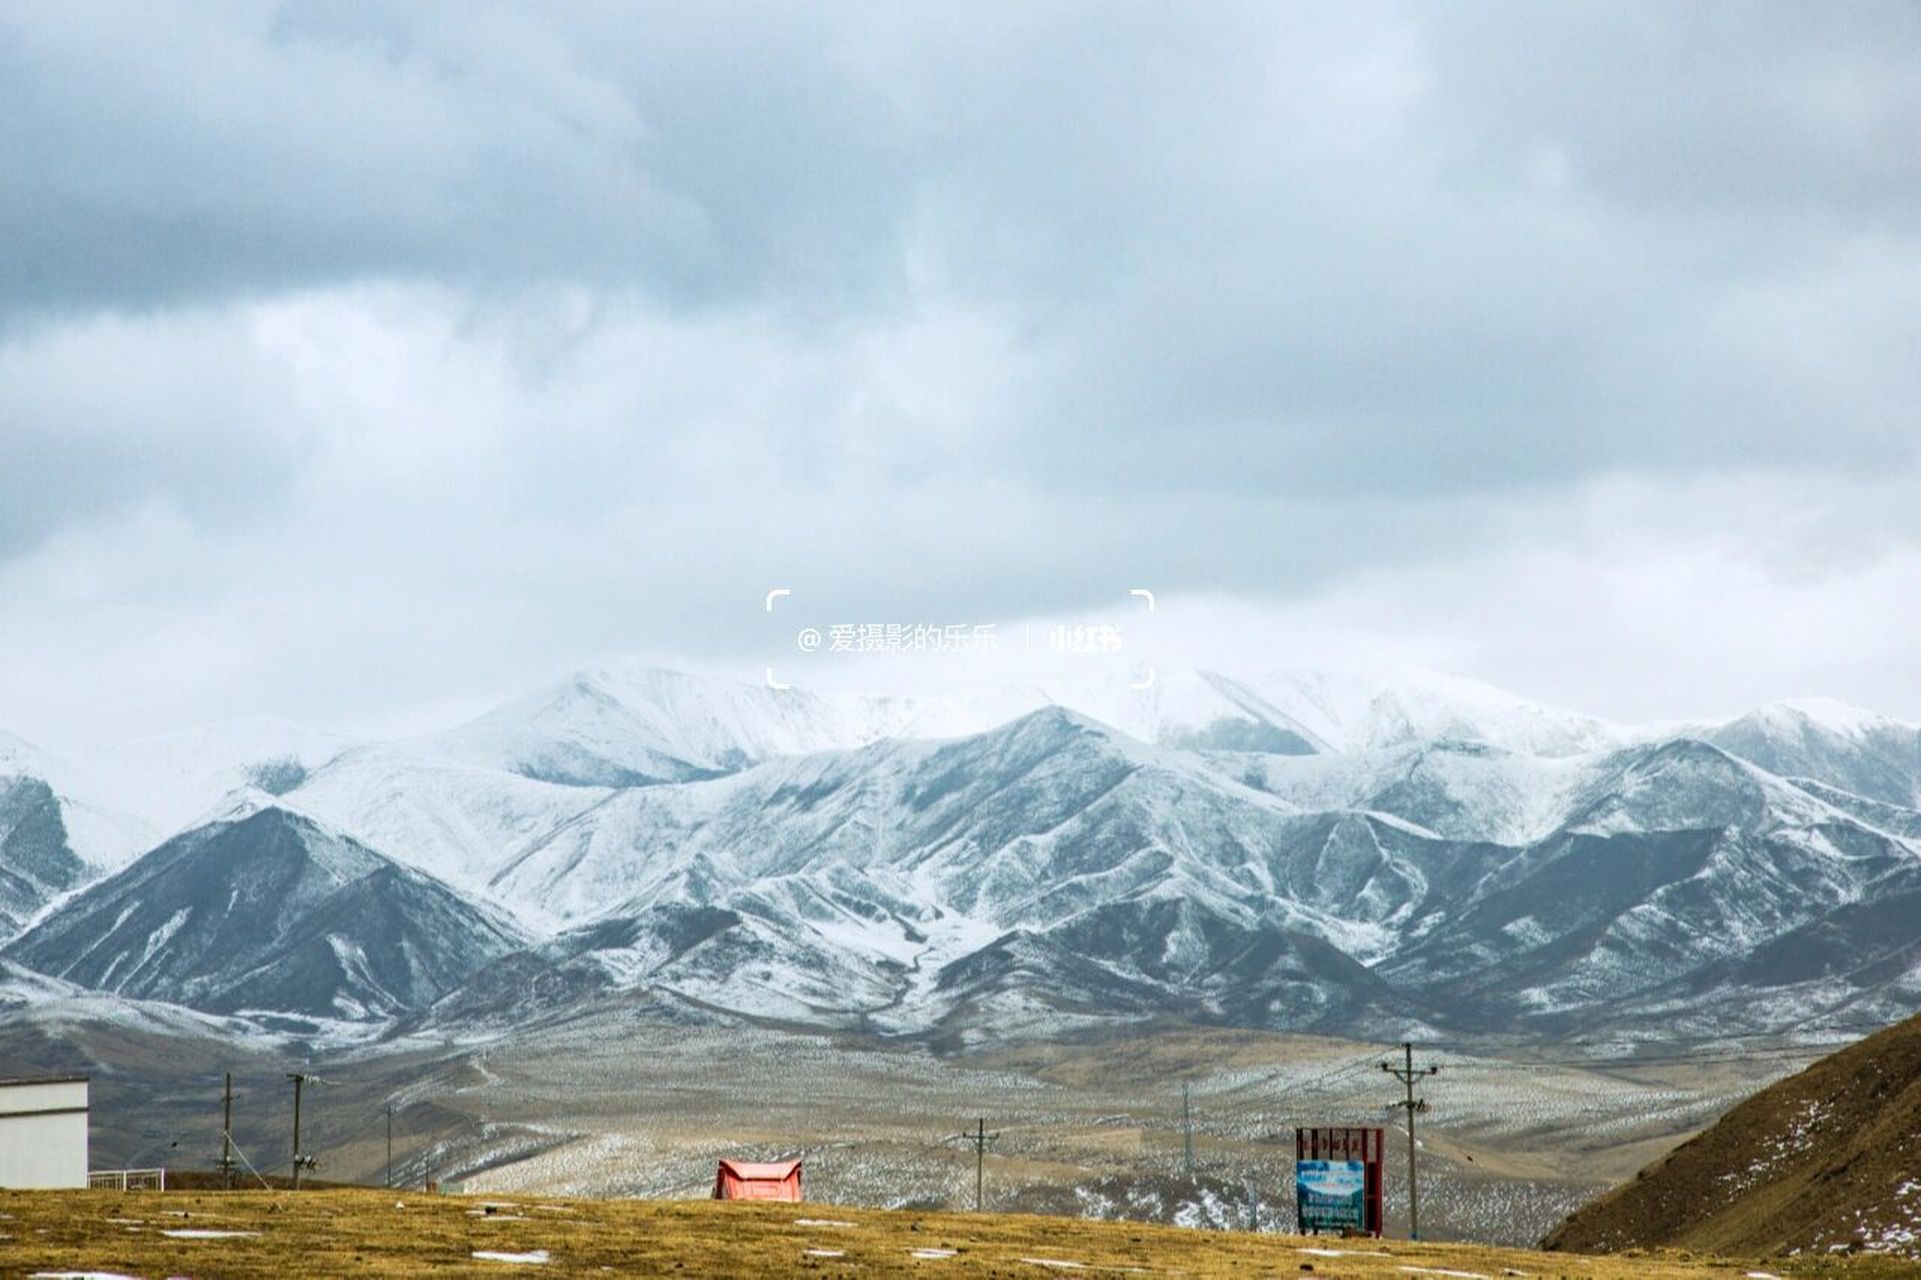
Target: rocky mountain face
<point>267,910</point>
<point>1293,852</point>
<point>36,861</point>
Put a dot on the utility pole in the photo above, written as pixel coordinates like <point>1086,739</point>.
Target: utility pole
<point>300,1161</point>
<point>1187,1133</point>
<point>980,1164</point>
<point>1407,1075</point>
<point>981,1139</point>
<point>226,1134</point>
<point>390,1144</point>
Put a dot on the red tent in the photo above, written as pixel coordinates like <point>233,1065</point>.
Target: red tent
<point>745,1180</point>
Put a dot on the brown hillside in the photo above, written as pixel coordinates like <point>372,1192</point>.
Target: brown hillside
<point>1827,1159</point>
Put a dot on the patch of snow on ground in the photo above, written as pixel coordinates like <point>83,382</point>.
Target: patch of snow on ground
<point>534,1258</point>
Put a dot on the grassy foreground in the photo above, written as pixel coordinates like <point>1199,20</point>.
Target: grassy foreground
<point>362,1232</point>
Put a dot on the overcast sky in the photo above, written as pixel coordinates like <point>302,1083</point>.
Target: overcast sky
<point>359,364</point>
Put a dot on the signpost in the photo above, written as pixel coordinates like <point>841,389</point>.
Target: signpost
<point>1338,1181</point>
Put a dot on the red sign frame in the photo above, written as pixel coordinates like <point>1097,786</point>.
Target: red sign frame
<point>1369,1146</point>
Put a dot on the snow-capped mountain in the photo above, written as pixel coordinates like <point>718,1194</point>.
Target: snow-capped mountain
<point>1831,742</point>
<point>265,909</point>
<point>1286,850</point>
<point>928,869</point>
<point>629,725</point>
<point>899,859</point>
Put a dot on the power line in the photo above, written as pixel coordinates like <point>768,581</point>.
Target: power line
<point>1804,1027</point>
<point>1352,1069</point>
<point>1651,1060</point>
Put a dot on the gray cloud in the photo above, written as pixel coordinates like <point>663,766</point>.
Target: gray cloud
<point>418,347</point>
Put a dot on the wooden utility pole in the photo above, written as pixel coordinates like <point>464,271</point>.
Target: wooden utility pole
<point>300,1160</point>
<point>1407,1075</point>
<point>390,1144</point>
<point>981,1140</point>
<point>226,1134</point>
<point>1187,1133</point>
<point>980,1164</point>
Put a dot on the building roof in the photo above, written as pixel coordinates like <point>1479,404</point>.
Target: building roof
<point>753,1171</point>
<point>7,1080</point>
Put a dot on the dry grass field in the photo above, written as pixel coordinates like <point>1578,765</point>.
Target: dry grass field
<point>376,1233</point>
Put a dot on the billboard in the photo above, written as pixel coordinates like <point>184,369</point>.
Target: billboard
<point>1338,1181</point>
<point>1331,1195</point>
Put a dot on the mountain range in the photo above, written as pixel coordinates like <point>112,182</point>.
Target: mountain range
<point>1291,851</point>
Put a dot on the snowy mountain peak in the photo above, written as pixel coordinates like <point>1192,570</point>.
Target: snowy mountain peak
<point>1829,714</point>
<point>240,804</point>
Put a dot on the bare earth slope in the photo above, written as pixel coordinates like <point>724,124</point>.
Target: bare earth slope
<point>1829,1159</point>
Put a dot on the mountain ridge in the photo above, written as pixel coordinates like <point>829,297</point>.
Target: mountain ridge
<point>1419,878</point>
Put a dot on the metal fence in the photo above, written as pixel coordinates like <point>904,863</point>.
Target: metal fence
<point>128,1179</point>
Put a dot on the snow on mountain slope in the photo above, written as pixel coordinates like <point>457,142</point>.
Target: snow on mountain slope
<point>1676,861</point>
<point>1286,850</point>
<point>1348,711</point>
<point>457,822</point>
<point>931,812</point>
<point>120,801</point>
<point>1461,790</point>
<point>49,1003</point>
<point>265,909</point>
<point>1165,873</point>
<point>1829,742</point>
<point>1687,784</point>
<point>37,862</point>
<point>629,725</point>
<point>902,859</point>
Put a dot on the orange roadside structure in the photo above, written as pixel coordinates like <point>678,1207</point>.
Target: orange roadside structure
<point>746,1180</point>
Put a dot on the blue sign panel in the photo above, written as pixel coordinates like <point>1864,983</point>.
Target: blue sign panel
<point>1331,1195</point>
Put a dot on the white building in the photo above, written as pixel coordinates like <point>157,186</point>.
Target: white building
<point>43,1132</point>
